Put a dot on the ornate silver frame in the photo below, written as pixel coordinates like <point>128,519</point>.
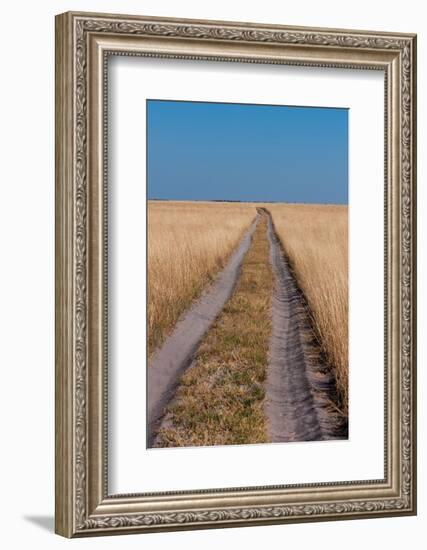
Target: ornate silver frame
<point>83,42</point>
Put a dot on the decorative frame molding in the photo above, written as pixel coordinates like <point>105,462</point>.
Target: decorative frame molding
<point>83,43</point>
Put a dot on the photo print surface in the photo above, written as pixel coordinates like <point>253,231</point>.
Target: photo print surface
<point>247,274</point>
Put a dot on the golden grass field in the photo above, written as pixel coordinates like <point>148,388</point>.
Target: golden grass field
<point>315,238</point>
<point>188,243</point>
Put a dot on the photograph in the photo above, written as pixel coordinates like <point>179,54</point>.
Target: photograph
<point>235,271</point>
<point>213,260</point>
<point>247,273</point>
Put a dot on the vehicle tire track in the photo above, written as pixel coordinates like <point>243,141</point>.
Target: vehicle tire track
<point>300,388</point>
<point>175,355</point>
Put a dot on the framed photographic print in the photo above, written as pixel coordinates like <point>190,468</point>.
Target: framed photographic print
<point>235,274</point>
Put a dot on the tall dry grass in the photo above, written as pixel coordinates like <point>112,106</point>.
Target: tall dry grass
<point>188,243</point>
<point>315,237</point>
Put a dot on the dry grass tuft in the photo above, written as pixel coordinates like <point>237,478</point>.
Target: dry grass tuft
<point>220,398</point>
<point>315,237</point>
<point>188,243</point>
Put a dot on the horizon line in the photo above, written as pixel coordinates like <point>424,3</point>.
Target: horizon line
<point>248,201</point>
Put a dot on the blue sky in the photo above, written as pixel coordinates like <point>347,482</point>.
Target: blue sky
<point>223,151</point>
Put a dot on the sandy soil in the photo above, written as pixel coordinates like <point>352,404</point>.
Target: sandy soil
<point>299,385</point>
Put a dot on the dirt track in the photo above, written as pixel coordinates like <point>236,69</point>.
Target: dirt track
<point>300,388</point>
<point>299,385</point>
<point>175,355</point>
